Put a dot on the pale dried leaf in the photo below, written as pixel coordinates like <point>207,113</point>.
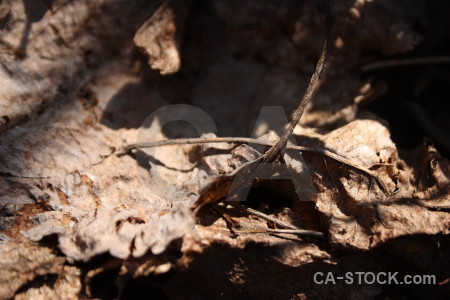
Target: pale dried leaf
<point>21,263</point>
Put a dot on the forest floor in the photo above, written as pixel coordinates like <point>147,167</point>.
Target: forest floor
<point>89,211</point>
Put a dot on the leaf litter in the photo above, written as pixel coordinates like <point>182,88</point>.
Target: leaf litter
<point>65,173</point>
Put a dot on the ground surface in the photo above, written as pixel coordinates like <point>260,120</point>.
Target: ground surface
<point>80,81</point>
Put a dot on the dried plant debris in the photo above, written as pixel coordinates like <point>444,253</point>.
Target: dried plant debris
<point>359,212</point>
<point>82,196</point>
<point>29,271</point>
<point>362,208</point>
<point>159,37</point>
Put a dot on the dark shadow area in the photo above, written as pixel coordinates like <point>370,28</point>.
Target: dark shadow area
<point>145,160</point>
<point>267,199</point>
<point>131,105</point>
<point>259,272</point>
<point>205,40</point>
<point>263,196</point>
<point>256,272</point>
<point>5,15</point>
<point>145,288</point>
<point>103,286</point>
<point>417,101</point>
<point>152,286</point>
<point>409,126</point>
<point>109,283</point>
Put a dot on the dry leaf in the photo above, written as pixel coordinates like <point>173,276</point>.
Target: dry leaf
<point>159,36</point>
<point>23,263</point>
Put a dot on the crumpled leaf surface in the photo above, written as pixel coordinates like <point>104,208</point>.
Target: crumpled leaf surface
<point>66,153</point>
<point>75,90</point>
<point>157,37</point>
<point>359,212</point>
<point>22,263</point>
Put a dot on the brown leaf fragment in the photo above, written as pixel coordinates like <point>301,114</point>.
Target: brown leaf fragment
<point>22,263</point>
<point>159,36</point>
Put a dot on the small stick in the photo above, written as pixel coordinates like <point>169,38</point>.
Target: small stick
<point>188,141</point>
<point>276,149</point>
<point>243,140</point>
<point>406,62</point>
<point>280,145</point>
<point>249,211</point>
<point>299,232</point>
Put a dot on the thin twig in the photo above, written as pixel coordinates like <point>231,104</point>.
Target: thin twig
<point>262,215</point>
<point>288,228</point>
<point>299,232</point>
<point>249,211</point>
<point>406,62</point>
<point>190,141</point>
<point>220,211</point>
<point>243,140</point>
<point>276,149</point>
